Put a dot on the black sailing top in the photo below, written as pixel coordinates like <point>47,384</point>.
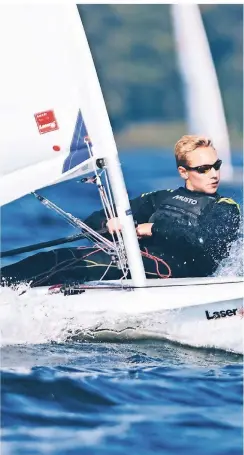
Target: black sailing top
<point>191,230</point>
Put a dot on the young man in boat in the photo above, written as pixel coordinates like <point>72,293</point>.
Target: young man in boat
<point>182,233</point>
<point>190,228</point>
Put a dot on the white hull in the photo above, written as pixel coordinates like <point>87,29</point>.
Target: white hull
<point>198,311</point>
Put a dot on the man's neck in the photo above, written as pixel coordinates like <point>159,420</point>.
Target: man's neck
<point>199,191</point>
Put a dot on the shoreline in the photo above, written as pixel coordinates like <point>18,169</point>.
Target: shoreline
<point>161,135</point>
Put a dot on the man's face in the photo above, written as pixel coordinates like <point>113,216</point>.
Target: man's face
<point>208,182</point>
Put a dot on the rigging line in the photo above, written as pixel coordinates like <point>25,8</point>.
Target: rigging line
<point>42,245</point>
<point>108,207</point>
<point>64,265</point>
<point>101,189</point>
<point>103,199</point>
<point>110,204</point>
<point>157,260</point>
<point>107,269</point>
<point>91,234</point>
<point>109,211</point>
<point>109,248</point>
<point>54,269</point>
<point>76,222</point>
<point>110,199</point>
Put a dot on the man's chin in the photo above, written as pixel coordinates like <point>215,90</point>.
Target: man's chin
<point>211,189</point>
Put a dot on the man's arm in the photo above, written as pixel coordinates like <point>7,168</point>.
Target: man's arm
<point>221,228</point>
<point>215,232</point>
<point>142,208</point>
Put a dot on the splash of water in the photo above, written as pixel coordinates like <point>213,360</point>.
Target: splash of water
<point>233,264</point>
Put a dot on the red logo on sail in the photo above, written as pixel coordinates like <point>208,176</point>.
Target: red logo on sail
<point>46,122</point>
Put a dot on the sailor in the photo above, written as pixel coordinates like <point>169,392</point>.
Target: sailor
<point>190,228</point>
<point>184,232</point>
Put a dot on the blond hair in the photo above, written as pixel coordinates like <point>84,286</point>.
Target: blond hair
<point>187,144</point>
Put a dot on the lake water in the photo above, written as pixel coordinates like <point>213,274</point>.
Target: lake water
<point>146,397</point>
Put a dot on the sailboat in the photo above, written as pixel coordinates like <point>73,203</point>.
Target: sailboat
<point>50,94</point>
<point>204,106</point>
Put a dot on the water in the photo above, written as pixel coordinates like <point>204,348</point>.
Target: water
<point>61,396</point>
<point>112,398</point>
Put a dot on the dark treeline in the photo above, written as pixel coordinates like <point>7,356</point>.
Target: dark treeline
<point>134,52</point>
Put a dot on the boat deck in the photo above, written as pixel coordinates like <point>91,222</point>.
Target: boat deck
<point>167,282</point>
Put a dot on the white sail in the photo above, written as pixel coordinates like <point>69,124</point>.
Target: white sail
<point>40,99</point>
<point>203,99</point>
<point>47,78</point>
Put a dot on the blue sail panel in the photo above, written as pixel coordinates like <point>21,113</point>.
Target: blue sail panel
<point>78,148</point>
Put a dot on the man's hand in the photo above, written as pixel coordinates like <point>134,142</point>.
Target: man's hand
<point>144,230</point>
<point>113,225</point>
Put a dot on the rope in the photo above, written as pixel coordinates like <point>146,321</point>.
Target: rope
<point>157,260</point>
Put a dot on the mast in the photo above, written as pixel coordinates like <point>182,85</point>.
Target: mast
<point>204,105</point>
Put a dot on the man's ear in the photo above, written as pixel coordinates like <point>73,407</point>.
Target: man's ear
<point>183,172</point>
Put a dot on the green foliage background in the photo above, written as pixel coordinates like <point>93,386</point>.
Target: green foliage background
<point>134,52</point>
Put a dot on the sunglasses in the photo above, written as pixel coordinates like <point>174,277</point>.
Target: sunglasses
<point>205,168</point>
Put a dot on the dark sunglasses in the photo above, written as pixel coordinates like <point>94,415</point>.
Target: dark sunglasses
<point>205,168</point>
